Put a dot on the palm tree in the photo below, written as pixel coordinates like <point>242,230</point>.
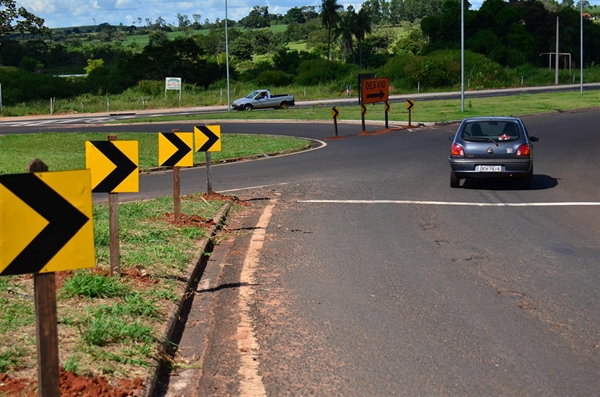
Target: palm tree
<point>346,29</point>
<point>363,26</point>
<point>329,17</point>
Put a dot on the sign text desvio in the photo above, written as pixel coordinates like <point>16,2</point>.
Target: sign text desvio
<point>375,90</point>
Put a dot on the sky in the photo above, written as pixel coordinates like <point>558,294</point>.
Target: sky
<point>69,13</point>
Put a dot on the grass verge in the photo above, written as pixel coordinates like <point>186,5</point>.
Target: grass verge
<point>66,151</point>
<point>112,325</point>
<point>424,111</point>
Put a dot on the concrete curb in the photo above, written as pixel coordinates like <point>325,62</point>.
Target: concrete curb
<point>194,273</point>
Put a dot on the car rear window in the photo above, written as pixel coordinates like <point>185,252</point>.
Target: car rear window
<point>496,130</point>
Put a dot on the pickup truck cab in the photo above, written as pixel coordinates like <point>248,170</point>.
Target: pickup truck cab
<point>261,99</point>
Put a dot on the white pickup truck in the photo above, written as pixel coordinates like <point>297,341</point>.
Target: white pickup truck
<point>261,99</point>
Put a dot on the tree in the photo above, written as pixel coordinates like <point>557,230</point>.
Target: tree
<point>294,14</point>
<point>363,26</point>
<point>13,19</point>
<point>184,24</point>
<point>329,17</point>
<point>93,64</point>
<point>157,38</point>
<point>257,18</point>
<point>346,29</point>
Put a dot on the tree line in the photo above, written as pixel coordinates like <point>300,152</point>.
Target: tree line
<point>341,42</point>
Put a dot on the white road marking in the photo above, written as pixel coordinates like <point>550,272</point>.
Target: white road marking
<point>455,203</point>
<point>251,384</point>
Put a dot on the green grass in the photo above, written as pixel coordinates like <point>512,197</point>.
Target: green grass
<point>66,151</point>
<point>424,111</point>
<point>89,285</point>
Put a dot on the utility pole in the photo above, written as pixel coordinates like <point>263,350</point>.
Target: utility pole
<point>556,60</point>
<point>581,49</point>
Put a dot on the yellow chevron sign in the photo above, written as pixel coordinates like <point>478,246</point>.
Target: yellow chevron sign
<point>46,222</point>
<point>175,149</point>
<point>208,138</point>
<point>114,166</point>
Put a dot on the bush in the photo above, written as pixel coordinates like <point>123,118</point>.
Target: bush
<point>321,71</point>
<point>442,69</point>
<point>151,87</point>
<point>273,78</point>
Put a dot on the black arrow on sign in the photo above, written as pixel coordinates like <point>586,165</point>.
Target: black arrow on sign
<point>182,150</point>
<point>336,112</point>
<point>124,167</point>
<point>379,95</point>
<point>212,138</point>
<point>64,221</point>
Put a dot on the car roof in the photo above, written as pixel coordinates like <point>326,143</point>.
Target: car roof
<point>490,118</point>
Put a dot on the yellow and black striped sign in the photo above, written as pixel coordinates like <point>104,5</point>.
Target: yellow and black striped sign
<point>46,222</point>
<point>363,110</point>
<point>175,149</point>
<point>208,138</point>
<point>114,166</point>
<point>335,112</point>
<point>410,104</point>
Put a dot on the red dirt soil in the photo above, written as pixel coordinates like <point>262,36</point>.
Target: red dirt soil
<point>72,385</point>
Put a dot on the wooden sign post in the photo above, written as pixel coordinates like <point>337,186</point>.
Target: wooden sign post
<point>65,242</point>
<point>176,189</point>
<point>114,169</point>
<point>113,221</point>
<point>208,139</point>
<point>46,330</point>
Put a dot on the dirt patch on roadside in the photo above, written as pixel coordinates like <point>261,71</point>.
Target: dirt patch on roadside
<point>72,385</point>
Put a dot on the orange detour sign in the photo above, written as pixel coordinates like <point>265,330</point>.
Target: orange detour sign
<point>375,90</point>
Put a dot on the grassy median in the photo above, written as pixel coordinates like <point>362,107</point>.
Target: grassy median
<point>114,326</point>
<point>66,151</point>
<point>424,111</point>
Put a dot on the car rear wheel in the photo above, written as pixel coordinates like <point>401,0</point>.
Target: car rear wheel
<point>284,105</point>
<point>248,107</point>
<point>454,180</point>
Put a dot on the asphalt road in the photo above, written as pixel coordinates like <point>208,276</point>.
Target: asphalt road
<point>409,292</point>
<point>377,279</point>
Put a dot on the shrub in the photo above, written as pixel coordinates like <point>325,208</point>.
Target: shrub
<point>151,87</point>
<point>321,71</point>
<point>273,78</point>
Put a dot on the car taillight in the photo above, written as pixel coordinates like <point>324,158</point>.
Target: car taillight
<point>523,150</point>
<point>457,150</point>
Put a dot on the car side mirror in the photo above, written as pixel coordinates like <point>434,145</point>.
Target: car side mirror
<point>534,139</point>
<point>451,138</point>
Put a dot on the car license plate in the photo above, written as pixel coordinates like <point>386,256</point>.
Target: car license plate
<point>488,168</point>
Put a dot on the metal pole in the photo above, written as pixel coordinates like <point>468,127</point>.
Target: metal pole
<point>580,51</point>
<point>227,60</point>
<point>462,56</point>
<point>556,60</point>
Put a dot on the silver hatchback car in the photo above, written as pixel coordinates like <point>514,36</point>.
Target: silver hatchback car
<point>492,147</point>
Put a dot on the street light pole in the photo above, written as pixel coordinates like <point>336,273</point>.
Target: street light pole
<point>227,60</point>
<point>462,55</point>
<point>556,60</point>
<point>581,50</point>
